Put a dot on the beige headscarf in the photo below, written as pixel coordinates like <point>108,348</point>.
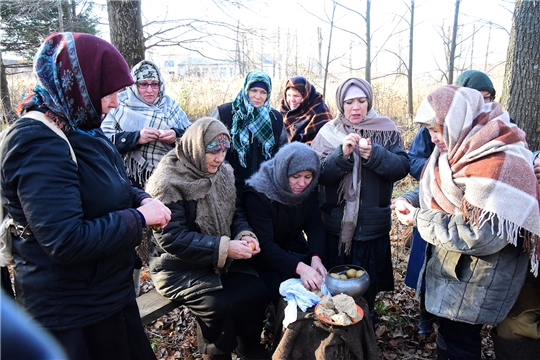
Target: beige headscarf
<point>182,175</point>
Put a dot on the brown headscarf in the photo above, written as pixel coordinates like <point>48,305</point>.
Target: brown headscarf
<point>182,175</point>
<point>381,130</point>
<point>304,122</point>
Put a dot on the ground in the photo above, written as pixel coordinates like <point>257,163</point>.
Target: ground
<point>174,336</point>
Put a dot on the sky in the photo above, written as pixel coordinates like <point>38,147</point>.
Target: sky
<point>303,17</point>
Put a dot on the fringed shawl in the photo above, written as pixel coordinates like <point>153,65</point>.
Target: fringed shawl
<point>182,175</point>
<point>488,162</point>
<point>381,130</point>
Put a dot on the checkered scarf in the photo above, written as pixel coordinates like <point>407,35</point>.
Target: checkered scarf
<point>248,119</point>
<point>488,163</point>
<point>303,123</point>
<point>133,114</point>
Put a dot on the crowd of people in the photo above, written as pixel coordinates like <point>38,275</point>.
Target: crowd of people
<point>251,196</point>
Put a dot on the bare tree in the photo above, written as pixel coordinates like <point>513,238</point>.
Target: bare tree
<point>125,23</point>
<point>521,89</point>
<point>453,45</point>
<point>368,41</point>
<point>5,113</point>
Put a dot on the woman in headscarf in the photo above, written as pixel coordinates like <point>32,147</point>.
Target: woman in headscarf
<point>304,110</point>
<point>281,204</point>
<point>146,123</point>
<point>256,128</point>
<point>362,156</point>
<point>477,207</point>
<point>199,258</point>
<point>76,223</point>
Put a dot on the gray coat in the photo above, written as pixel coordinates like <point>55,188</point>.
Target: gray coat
<point>472,275</point>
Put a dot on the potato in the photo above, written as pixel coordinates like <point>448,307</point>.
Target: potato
<point>252,245</point>
<point>359,273</point>
<point>343,277</point>
<point>334,275</point>
<point>351,273</point>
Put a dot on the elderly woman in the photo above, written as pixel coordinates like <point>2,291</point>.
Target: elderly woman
<point>475,264</point>
<point>281,203</point>
<point>199,258</point>
<point>256,128</point>
<point>76,223</point>
<point>145,124</point>
<point>362,155</point>
<point>304,110</point>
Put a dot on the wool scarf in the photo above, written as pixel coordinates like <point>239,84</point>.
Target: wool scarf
<point>303,123</point>
<point>134,113</point>
<point>486,165</point>
<point>183,175</point>
<point>247,119</point>
<point>272,179</point>
<point>381,130</point>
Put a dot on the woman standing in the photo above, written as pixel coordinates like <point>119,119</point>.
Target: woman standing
<point>281,203</point>
<point>146,123</point>
<point>256,128</point>
<point>198,259</point>
<point>476,206</point>
<point>362,156</point>
<point>304,110</point>
<point>77,224</point>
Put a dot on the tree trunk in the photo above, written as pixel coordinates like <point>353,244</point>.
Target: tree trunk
<point>368,41</point>
<point>125,23</point>
<point>6,111</point>
<point>410,67</point>
<point>521,90</point>
<point>453,45</point>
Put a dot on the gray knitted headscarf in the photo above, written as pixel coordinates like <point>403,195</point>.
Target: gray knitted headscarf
<point>272,179</point>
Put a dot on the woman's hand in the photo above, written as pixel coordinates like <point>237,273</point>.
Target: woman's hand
<point>253,243</point>
<point>404,211</point>
<point>155,213</point>
<point>239,249</point>
<point>316,263</point>
<point>148,134</point>
<point>349,144</point>
<point>310,277</point>
<point>364,146</point>
<point>168,136</point>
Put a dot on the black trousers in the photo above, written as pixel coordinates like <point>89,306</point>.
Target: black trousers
<point>460,341</point>
<point>236,310</point>
<point>119,337</point>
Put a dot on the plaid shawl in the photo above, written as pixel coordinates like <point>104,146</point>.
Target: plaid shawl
<point>133,114</point>
<point>74,72</point>
<point>249,119</point>
<point>488,163</point>
<point>304,122</point>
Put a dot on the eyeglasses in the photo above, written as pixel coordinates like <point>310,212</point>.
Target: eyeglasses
<point>154,86</point>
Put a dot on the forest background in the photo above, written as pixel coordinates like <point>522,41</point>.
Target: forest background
<point>405,48</point>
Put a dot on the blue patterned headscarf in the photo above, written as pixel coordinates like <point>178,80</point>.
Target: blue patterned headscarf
<point>249,119</point>
<point>74,72</point>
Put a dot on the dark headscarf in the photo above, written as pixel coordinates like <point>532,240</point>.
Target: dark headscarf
<point>272,179</point>
<point>477,80</point>
<point>303,123</point>
<point>74,72</point>
<point>249,119</point>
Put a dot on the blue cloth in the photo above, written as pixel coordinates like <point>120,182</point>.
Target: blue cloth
<point>294,291</point>
<point>421,149</point>
<point>416,260</point>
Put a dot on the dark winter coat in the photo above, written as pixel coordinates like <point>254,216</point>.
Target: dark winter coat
<point>75,269</point>
<point>384,167</point>
<point>184,261</point>
<point>279,229</point>
<point>255,157</point>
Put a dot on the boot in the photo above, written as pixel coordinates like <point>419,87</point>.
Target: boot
<point>250,348</point>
